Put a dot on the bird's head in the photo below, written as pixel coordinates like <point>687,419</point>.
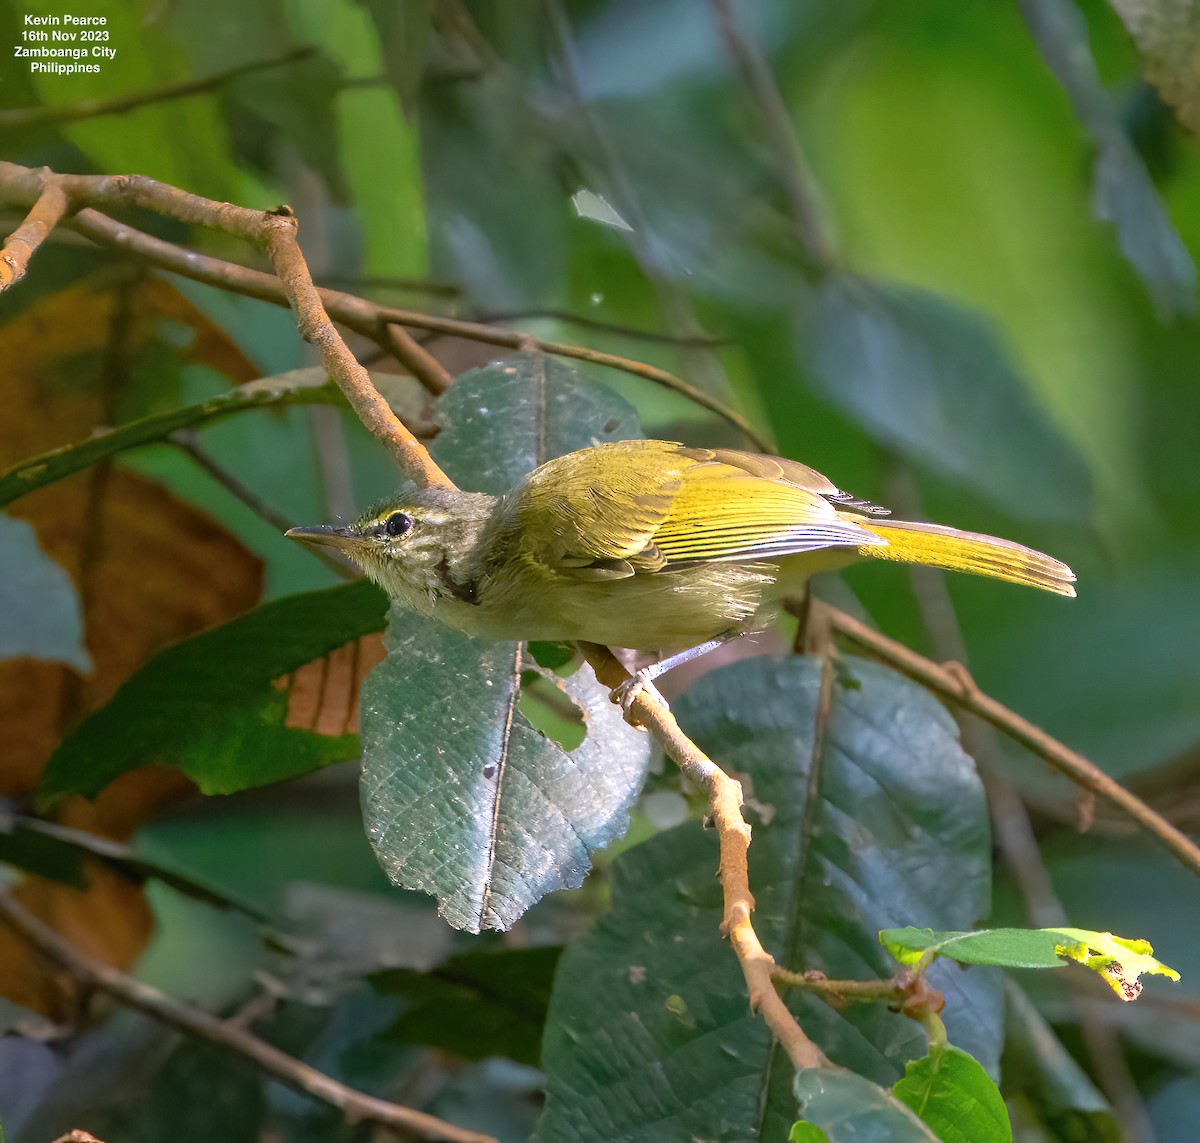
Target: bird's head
<point>418,546</point>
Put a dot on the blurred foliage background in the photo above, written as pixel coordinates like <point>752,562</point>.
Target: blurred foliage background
<point>994,327</point>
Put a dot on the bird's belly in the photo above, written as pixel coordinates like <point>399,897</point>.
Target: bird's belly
<point>645,612</point>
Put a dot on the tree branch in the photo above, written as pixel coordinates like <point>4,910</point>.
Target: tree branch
<point>957,686</point>
<point>355,1105</point>
<point>733,834</point>
<point>278,235</point>
<point>45,214</point>
<point>23,186</point>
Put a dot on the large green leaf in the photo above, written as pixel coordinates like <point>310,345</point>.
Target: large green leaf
<point>303,387</point>
<point>463,799</point>
<point>932,380</point>
<point>40,616</point>
<point>861,822</point>
<point>210,704</point>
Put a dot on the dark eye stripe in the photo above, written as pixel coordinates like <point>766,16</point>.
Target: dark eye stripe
<point>398,523</point>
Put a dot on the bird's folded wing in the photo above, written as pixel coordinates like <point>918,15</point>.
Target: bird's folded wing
<point>722,513</point>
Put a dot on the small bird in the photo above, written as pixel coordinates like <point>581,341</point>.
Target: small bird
<point>647,545</point>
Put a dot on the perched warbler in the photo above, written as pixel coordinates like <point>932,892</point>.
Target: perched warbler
<point>646,545</point>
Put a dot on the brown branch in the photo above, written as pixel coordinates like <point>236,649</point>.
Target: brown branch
<point>278,235</point>
<point>417,359</point>
<point>958,687</point>
<point>23,186</point>
<point>799,183</point>
<point>94,108</point>
<point>355,1105</point>
<point>276,232</point>
<point>367,318</point>
<point>45,214</point>
<point>733,834</point>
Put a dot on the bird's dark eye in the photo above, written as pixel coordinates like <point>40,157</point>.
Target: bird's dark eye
<point>398,523</point>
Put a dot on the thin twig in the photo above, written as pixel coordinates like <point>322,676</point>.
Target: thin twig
<point>116,105</point>
<point>45,214</point>
<point>355,1105</point>
<point>799,183</point>
<point>957,686</point>
<point>733,835</point>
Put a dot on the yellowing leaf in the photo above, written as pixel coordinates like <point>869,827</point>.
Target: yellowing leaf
<point>1119,960</point>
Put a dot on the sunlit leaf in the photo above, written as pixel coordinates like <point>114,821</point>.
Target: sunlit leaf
<point>1119,960</point>
<point>854,824</point>
<point>952,1094</point>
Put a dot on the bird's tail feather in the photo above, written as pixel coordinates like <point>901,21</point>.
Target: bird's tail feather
<point>954,550</point>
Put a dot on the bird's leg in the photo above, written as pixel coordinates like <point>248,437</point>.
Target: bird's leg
<point>628,690</point>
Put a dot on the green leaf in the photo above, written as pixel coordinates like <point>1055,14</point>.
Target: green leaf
<point>301,387</point>
<point>463,799</point>
<point>500,423</point>
<point>477,1004</point>
<point>1119,960</point>
<point>852,1109</point>
<point>1042,1072</point>
<point>926,377</point>
<point>40,615</point>
<point>1012,948</point>
<point>1123,192</point>
<point>952,1094</point>
<point>806,1133</point>
<point>211,706</point>
<point>850,825</point>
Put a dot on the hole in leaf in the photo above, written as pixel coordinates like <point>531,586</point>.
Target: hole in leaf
<point>551,712</point>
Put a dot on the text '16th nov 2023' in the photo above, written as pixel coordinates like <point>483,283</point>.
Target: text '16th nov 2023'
<point>65,44</point>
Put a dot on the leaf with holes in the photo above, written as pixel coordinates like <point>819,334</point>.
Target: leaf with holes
<point>856,822</point>
<point>462,797</point>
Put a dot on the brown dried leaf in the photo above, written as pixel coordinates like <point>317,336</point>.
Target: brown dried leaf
<point>323,695</point>
<point>150,570</point>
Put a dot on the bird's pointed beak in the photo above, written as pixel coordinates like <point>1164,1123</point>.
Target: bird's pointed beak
<point>325,535</point>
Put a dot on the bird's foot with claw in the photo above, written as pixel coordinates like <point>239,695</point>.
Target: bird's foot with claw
<point>632,689</point>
